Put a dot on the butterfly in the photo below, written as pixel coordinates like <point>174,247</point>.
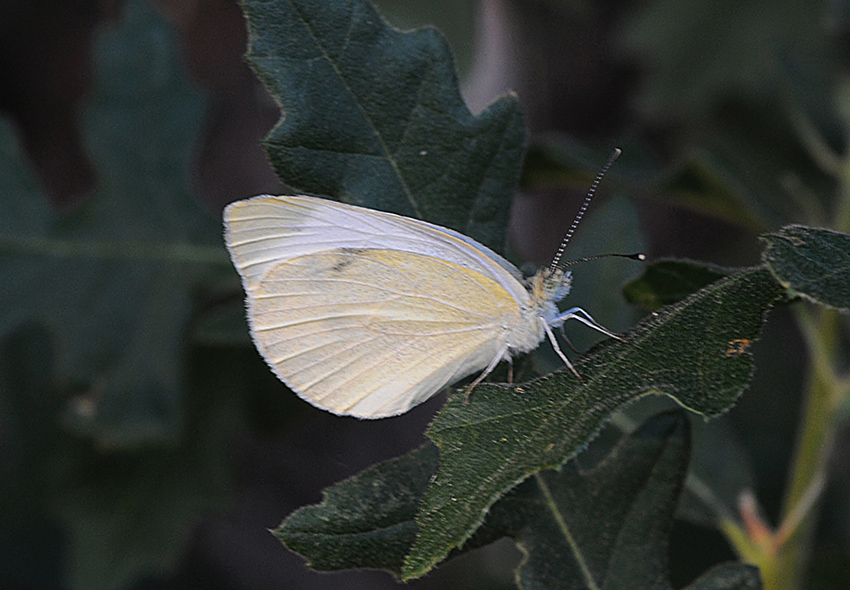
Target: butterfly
<point>367,313</point>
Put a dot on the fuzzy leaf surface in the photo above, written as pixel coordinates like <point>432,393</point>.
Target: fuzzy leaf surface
<point>696,351</point>
<point>811,262</point>
<point>608,526</point>
<point>374,116</point>
<point>366,521</point>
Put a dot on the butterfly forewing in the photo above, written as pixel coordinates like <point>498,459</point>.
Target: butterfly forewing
<point>264,231</point>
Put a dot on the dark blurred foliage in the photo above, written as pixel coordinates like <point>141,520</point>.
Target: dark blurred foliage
<point>723,98</point>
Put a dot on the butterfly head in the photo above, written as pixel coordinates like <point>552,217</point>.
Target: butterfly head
<point>550,285</point>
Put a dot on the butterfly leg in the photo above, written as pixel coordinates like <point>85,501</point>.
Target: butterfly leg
<point>567,340</point>
<point>557,348</point>
<point>484,373</point>
<point>577,313</point>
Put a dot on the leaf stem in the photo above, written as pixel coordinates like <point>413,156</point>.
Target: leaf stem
<point>820,412</point>
<point>813,141</point>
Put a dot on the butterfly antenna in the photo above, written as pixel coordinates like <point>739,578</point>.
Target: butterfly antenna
<point>638,256</point>
<point>577,219</point>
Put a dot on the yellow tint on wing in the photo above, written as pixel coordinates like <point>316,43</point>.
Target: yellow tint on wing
<point>373,332</point>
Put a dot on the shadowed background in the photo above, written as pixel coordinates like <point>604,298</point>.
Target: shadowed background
<point>178,488</point>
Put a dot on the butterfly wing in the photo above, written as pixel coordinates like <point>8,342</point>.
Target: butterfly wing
<point>367,313</point>
<point>373,332</point>
<point>264,231</point>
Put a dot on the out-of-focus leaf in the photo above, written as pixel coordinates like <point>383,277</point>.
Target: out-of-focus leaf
<point>31,540</point>
<point>720,466</point>
<point>374,117</point>
<point>669,281</point>
<point>813,97</point>
<point>116,461</point>
<point>707,184</point>
<point>223,325</point>
<point>701,181</point>
<point>696,351</point>
<point>129,513</point>
<point>811,262</point>
<point>723,48</point>
<point>720,472</point>
<point>755,89</point>
<point>114,279</point>
<point>76,507</point>
<point>555,160</point>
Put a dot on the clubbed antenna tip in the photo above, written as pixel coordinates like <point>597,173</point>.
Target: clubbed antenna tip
<point>638,256</point>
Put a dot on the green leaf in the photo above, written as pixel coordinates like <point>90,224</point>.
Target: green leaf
<point>720,471</point>
<point>696,351</point>
<point>609,524</point>
<point>608,527</point>
<point>720,467</point>
<point>560,161</point>
<point>734,95</point>
<point>30,551</point>
<point>668,281</point>
<point>811,262</point>
<point>116,461</point>
<point>367,521</point>
<point>374,117</point>
<point>114,279</point>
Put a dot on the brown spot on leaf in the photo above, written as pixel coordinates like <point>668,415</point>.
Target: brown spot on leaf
<point>738,347</point>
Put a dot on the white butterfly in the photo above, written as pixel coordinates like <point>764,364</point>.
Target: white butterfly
<point>367,313</point>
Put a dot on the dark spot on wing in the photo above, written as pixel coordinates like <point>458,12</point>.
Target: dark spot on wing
<point>347,257</point>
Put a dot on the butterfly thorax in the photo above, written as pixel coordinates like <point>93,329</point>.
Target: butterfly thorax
<point>544,289</point>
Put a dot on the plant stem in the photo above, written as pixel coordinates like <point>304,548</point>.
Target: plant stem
<point>821,403</point>
<point>821,406</point>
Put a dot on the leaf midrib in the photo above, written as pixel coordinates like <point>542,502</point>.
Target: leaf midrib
<point>387,154</point>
